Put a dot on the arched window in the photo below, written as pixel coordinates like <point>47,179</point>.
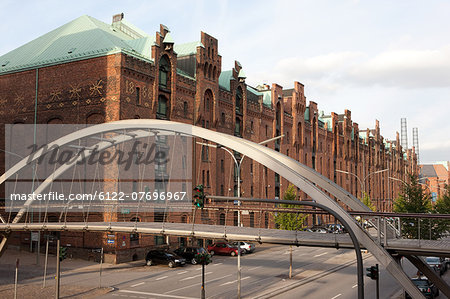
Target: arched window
<point>162,112</point>
<point>210,71</point>
<point>239,100</point>
<point>164,71</point>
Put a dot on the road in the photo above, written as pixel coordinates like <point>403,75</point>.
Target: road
<point>260,271</point>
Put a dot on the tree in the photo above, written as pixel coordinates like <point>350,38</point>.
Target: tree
<point>368,202</point>
<point>442,206</point>
<point>413,199</point>
<point>290,221</point>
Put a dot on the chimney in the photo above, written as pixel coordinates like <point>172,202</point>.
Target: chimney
<point>117,18</point>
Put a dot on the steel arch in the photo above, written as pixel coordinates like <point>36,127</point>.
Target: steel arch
<point>303,177</point>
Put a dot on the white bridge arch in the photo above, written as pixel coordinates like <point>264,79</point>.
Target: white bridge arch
<point>305,178</point>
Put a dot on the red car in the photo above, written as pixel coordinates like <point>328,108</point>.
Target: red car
<point>222,248</point>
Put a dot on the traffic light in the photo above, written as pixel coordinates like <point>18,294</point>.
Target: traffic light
<point>199,196</point>
<point>372,272</point>
<point>62,253</point>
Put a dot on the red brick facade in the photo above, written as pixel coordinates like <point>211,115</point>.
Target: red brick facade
<point>123,86</point>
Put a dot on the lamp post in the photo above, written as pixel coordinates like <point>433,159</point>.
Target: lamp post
<point>238,168</point>
<point>363,181</point>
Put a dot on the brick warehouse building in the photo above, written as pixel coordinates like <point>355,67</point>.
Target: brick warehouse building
<point>87,71</point>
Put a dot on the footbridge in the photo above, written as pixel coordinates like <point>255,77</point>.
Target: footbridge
<point>316,186</point>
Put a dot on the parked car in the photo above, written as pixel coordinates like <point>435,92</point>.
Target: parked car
<point>335,228</point>
<point>164,257</point>
<point>222,248</point>
<point>436,263</point>
<point>246,247</point>
<point>320,230</point>
<point>428,289</point>
<point>189,253</point>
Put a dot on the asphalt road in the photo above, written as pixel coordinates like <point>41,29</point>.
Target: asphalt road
<point>261,270</point>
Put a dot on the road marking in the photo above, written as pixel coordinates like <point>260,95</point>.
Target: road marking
<point>155,294</point>
<point>192,277</point>
<point>182,272</point>
<point>234,281</point>
<point>197,284</point>
<point>336,296</point>
<point>161,277</point>
<point>251,269</point>
<point>317,255</point>
<point>217,264</point>
<point>354,286</point>
<point>138,284</point>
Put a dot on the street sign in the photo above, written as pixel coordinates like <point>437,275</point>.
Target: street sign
<point>125,211</point>
<point>109,241</point>
<point>34,236</point>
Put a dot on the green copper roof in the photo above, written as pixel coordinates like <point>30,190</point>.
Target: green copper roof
<point>187,49</point>
<point>82,38</point>
<point>267,98</point>
<point>168,39</point>
<point>242,74</point>
<point>224,79</point>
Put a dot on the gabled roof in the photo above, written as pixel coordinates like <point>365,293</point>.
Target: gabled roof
<point>187,49</point>
<point>82,38</point>
<point>224,79</point>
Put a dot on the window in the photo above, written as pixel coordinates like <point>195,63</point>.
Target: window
<point>222,118</point>
<point>251,191</point>
<point>207,104</point>
<point>252,219</point>
<point>267,130</point>
<point>185,108</point>
<point>164,68</point>
<point>207,178</point>
<point>138,96</point>
<point>266,220</point>
<point>203,177</point>
<point>222,165</point>
<point>239,100</point>
<point>222,219</point>
<point>238,127</point>
<point>161,113</point>
<point>222,192</point>
<point>251,126</point>
<point>235,218</point>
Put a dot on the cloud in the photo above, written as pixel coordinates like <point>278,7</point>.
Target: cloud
<point>405,69</point>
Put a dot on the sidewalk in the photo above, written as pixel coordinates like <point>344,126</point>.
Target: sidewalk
<point>30,278</point>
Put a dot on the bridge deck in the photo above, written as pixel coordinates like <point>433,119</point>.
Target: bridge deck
<point>263,235</point>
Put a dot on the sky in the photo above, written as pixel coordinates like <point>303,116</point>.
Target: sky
<point>383,60</point>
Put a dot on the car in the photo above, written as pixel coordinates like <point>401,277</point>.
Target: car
<point>246,247</point>
<point>164,257</point>
<point>436,263</point>
<point>320,230</point>
<point>335,228</point>
<point>189,253</point>
<point>428,289</point>
<point>222,248</point>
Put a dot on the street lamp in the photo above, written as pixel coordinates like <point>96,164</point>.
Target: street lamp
<point>238,168</point>
<point>363,181</point>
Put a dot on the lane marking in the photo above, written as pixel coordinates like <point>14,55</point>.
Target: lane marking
<point>251,269</point>
<point>197,284</point>
<point>336,296</point>
<point>234,281</point>
<point>155,294</point>
<point>161,277</point>
<point>217,264</point>
<point>354,286</point>
<point>182,272</point>
<point>138,284</point>
<point>317,255</point>
<point>192,277</point>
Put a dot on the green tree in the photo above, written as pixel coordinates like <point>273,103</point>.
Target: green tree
<point>413,199</point>
<point>290,221</point>
<point>442,206</point>
<point>368,202</point>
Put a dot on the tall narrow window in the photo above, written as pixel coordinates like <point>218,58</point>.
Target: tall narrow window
<point>161,113</point>
<point>207,178</point>
<point>239,100</point>
<point>164,68</point>
<point>185,108</point>
<point>138,96</point>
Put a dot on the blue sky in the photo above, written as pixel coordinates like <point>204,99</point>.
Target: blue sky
<point>380,59</point>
